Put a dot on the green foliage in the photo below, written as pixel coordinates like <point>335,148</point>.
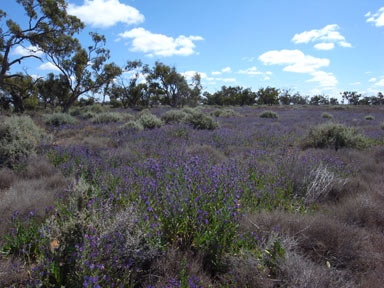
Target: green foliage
<point>326,115</point>
<point>199,120</point>
<point>24,238</point>
<point>334,135</point>
<point>173,116</point>
<point>57,119</point>
<point>19,138</point>
<point>382,125</point>
<point>225,113</point>
<point>268,96</point>
<point>134,125</point>
<point>369,117</point>
<point>150,121</point>
<point>231,96</point>
<point>269,114</point>
<point>108,117</point>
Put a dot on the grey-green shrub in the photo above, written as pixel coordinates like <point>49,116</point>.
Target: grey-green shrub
<point>150,121</point>
<point>96,108</point>
<point>87,115</point>
<point>173,116</point>
<point>268,114</point>
<point>134,125</point>
<point>369,117</point>
<point>326,115</point>
<point>19,138</point>
<point>108,117</point>
<point>225,113</point>
<point>57,119</point>
<point>199,120</point>
<point>335,135</point>
<point>382,125</point>
<point>190,110</point>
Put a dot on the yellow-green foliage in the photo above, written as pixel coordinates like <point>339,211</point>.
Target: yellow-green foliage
<point>19,138</point>
<point>334,135</point>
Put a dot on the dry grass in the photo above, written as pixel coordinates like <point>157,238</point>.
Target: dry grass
<point>34,188</point>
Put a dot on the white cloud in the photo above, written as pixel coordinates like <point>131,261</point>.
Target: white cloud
<point>372,79</point>
<point>254,71</point>
<point>224,70</point>
<point>266,78</point>
<point>189,75</point>
<point>328,34</point>
<point>380,82</point>
<point>377,18</point>
<point>30,50</point>
<point>324,79</point>
<point>294,60</point>
<point>48,66</point>
<point>324,46</point>
<point>248,59</point>
<point>159,44</point>
<point>105,13</point>
<point>355,83</point>
<point>226,79</point>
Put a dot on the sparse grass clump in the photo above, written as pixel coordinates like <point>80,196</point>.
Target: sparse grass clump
<point>199,120</point>
<point>173,116</point>
<point>326,115</point>
<point>150,121</point>
<point>369,117</point>
<point>269,114</point>
<point>334,135</point>
<point>108,117</point>
<point>58,119</point>
<point>19,138</point>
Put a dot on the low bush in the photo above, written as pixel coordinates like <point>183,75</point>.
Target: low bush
<point>382,125</point>
<point>369,117</point>
<point>199,120</point>
<point>150,121</point>
<point>225,113</point>
<point>57,119</point>
<point>334,135</point>
<point>269,114</point>
<point>173,116</point>
<point>326,115</point>
<point>19,138</point>
<point>134,125</point>
<point>108,117</point>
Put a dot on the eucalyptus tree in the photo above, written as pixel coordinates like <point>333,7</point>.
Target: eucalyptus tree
<point>47,20</point>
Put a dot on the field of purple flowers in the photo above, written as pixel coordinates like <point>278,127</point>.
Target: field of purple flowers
<point>243,201</point>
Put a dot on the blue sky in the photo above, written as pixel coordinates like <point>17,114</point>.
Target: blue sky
<point>314,47</point>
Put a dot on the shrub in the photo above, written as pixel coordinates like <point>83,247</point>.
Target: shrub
<point>173,116</point>
<point>326,115</point>
<point>199,120</point>
<point>150,121</point>
<point>225,113</point>
<point>382,125</point>
<point>108,117</point>
<point>369,117</point>
<point>92,245</point>
<point>96,108</point>
<point>57,119</point>
<point>134,125</point>
<point>87,115</point>
<point>190,110</point>
<point>19,138</point>
<point>334,135</point>
<point>268,114</point>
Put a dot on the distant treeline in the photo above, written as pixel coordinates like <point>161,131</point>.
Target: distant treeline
<point>85,73</point>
